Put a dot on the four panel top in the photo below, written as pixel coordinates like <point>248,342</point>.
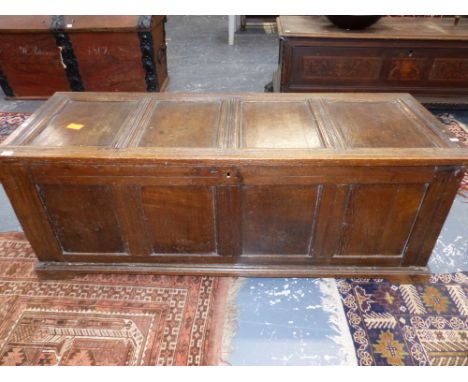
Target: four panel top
<point>231,125</point>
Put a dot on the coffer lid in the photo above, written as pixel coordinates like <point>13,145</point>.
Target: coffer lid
<point>24,24</point>
<point>109,23</point>
<point>400,28</point>
<point>77,23</point>
<point>163,126</point>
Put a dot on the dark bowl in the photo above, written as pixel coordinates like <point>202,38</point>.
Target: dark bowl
<point>353,22</point>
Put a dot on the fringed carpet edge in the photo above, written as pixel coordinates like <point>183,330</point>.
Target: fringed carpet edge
<point>331,303</point>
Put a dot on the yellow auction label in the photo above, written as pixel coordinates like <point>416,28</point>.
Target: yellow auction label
<point>75,126</point>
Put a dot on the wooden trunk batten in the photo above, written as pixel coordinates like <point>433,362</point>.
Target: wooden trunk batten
<point>240,184</point>
<point>426,57</point>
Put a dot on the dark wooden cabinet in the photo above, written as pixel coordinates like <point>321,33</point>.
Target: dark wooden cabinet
<point>40,55</point>
<point>274,184</point>
<point>422,56</point>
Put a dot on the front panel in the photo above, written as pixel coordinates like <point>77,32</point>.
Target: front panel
<point>277,219</point>
<point>330,216</point>
<point>179,219</point>
<point>143,214</point>
<point>420,67</point>
<point>83,218</point>
<point>306,216</point>
<point>377,220</point>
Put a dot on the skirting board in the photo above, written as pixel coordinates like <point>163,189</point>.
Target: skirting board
<point>64,270</point>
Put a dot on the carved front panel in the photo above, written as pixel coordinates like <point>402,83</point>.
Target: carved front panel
<point>335,64</point>
<point>333,67</point>
<point>407,69</point>
<point>449,69</point>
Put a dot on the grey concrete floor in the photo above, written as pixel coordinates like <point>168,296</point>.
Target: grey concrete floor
<point>280,321</point>
<point>200,60</point>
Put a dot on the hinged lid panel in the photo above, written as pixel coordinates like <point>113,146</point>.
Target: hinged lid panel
<point>364,121</point>
<point>85,120</point>
<point>278,124</point>
<point>182,123</point>
<point>261,126</point>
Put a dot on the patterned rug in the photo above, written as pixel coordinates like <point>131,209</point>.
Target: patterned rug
<point>404,324</point>
<point>9,122</point>
<point>107,319</point>
<point>460,131</point>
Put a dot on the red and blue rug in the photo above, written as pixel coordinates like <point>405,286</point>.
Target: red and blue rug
<point>9,122</point>
<point>406,324</point>
<point>106,319</point>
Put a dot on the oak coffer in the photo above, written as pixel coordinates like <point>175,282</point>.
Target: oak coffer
<point>259,184</point>
<point>422,56</point>
<point>40,55</point>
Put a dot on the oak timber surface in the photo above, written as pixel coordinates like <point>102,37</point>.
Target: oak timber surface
<point>257,183</point>
<point>391,127</point>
